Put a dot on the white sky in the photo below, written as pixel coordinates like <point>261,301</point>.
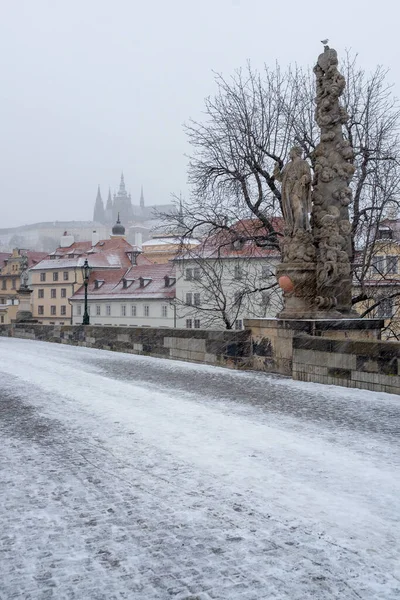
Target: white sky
<point>91,87</point>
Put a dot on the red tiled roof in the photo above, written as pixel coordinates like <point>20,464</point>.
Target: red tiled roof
<point>113,287</point>
<point>238,241</point>
<point>34,257</point>
<point>106,254</point>
<point>3,257</point>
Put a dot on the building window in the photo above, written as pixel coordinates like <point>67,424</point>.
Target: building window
<point>197,323</point>
<point>391,264</point>
<point>98,310</point>
<point>40,310</point>
<point>189,274</point>
<point>65,275</point>
<point>265,299</point>
<point>378,262</point>
<point>188,323</point>
<point>42,276</point>
<point>123,310</point>
<point>41,293</point>
<point>189,299</point>
<point>385,309</point>
<point>238,324</point>
<point>4,284</point>
<point>196,273</point>
<point>63,310</point>
<point>63,292</point>
<point>146,310</point>
<point>2,319</point>
<point>237,298</point>
<point>53,293</point>
<point>133,310</point>
<point>79,309</point>
<point>52,310</point>
<point>55,276</point>
<point>196,299</point>
<point>108,310</point>
<point>13,283</point>
<point>238,272</point>
<point>266,272</point>
<point>164,311</point>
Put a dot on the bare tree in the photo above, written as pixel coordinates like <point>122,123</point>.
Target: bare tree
<point>249,126</point>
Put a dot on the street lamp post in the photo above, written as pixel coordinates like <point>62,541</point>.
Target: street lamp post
<point>86,275</point>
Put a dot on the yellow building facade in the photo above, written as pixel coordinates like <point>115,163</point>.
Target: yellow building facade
<point>382,283</point>
<point>52,287</point>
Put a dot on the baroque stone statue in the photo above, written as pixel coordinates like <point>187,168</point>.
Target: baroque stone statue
<point>295,191</point>
<point>24,272</point>
<point>315,273</point>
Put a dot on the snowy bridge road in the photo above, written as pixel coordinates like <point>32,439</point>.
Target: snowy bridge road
<point>129,477</point>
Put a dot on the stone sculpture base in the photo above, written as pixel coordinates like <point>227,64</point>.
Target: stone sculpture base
<point>273,338</point>
<point>298,282</point>
<point>24,310</point>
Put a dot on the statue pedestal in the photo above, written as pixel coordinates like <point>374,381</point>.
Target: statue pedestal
<point>298,282</point>
<point>273,338</point>
<point>24,310</point>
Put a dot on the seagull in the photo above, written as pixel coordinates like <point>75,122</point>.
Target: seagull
<point>324,41</point>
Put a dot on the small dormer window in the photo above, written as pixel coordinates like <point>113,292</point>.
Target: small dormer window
<point>238,244</point>
<point>98,283</point>
<point>143,281</point>
<point>127,282</point>
<point>385,233</point>
<point>169,281</point>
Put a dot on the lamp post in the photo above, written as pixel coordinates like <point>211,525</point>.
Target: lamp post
<point>86,274</point>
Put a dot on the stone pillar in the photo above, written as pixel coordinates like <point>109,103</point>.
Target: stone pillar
<point>24,309</point>
<point>331,195</point>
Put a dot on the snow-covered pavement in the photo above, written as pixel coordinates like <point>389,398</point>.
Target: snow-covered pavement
<point>123,476</point>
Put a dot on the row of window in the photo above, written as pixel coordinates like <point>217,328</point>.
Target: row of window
<point>123,310</point>
<point>55,276</point>
<point>13,284</point>
<point>53,310</point>
<point>53,293</point>
<point>195,324</point>
<point>239,272</point>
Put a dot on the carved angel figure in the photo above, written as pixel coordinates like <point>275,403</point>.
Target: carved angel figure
<point>295,191</point>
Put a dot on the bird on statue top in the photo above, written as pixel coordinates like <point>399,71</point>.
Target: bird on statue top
<point>324,41</point>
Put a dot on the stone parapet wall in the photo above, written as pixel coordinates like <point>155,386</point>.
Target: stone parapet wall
<point>224,348</point>
<point>366,364</point>
<point>300,349</point>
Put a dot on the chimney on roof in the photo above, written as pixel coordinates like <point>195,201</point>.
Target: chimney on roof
<point>66,240</point>
<point>95,237</point>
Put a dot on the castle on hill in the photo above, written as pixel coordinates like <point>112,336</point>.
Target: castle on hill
<point>121,204</point>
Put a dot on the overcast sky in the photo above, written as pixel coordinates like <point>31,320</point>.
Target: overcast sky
<point>93,87</point>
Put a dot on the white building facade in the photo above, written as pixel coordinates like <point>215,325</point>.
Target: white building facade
<point>219,292</point>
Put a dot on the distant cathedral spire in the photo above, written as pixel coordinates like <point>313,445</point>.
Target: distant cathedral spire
<point>98,212</point>
<point>141,198</point>
<point>122,189</point>
<point>109,200</point>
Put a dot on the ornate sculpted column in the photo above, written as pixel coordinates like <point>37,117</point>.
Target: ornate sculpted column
<point>331,196</point>
<point>315,273</point>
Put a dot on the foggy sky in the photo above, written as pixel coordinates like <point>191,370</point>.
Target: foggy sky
<point>93,87</point>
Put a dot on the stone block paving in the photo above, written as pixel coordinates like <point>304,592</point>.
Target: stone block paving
<point>80,523</point>
<point>95,508</point>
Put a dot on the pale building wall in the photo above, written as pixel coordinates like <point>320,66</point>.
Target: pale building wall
<point>252,306</point>
<point>160,312</point>
<point>50,298</point>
